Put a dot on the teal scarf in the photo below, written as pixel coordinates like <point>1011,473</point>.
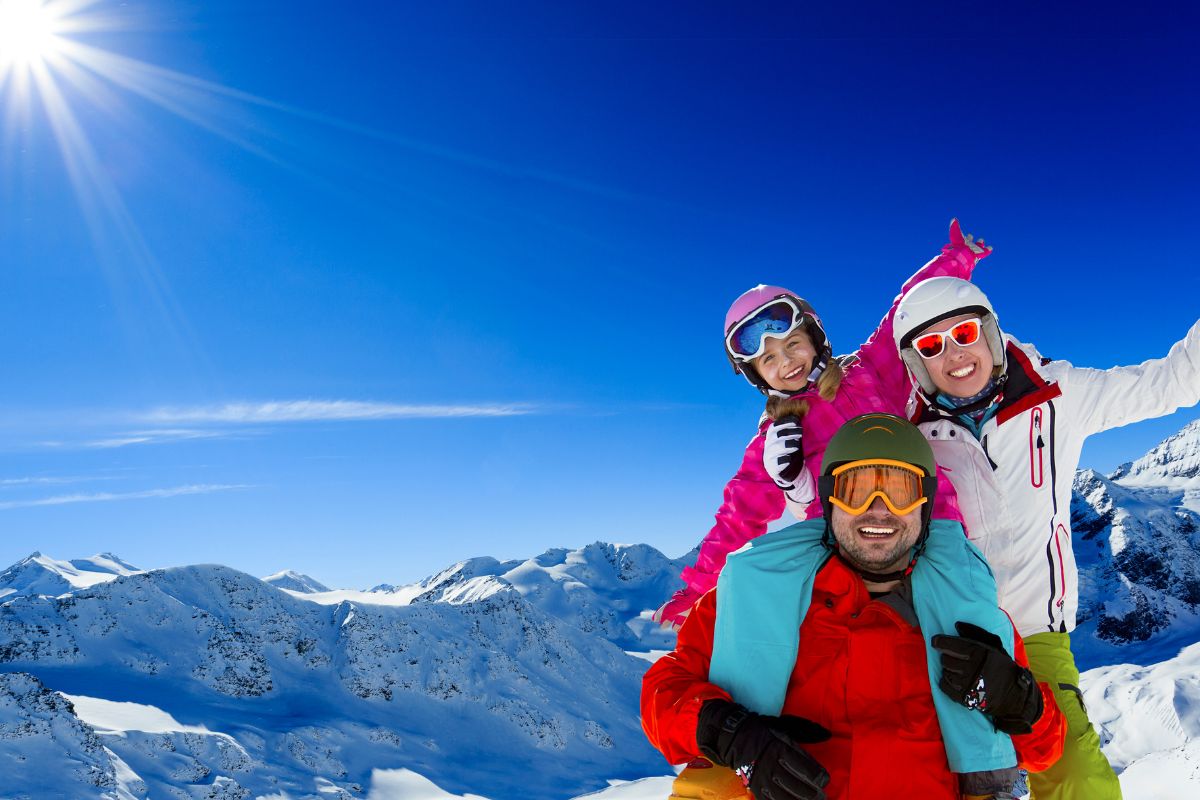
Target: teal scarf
<point>763,596</point>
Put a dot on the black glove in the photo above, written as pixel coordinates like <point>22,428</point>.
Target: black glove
<point>765,748</point>
<point>979,674</point>
<point>783,456</point>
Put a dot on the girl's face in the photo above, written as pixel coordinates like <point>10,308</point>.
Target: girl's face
<point>785,363</point>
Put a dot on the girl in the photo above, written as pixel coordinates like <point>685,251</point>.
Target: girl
<point>776,341</point>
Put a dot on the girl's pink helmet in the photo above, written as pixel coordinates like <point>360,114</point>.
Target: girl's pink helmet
<point>754,300</point>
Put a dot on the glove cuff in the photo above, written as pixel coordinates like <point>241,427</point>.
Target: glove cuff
<point>1024,710</point>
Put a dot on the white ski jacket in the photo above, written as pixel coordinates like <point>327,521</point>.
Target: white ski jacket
<point>1014,481</point>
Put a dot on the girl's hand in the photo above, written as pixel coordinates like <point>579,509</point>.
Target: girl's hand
<point>957,240</point>
<point>783,456</point>
<point>675,611</point>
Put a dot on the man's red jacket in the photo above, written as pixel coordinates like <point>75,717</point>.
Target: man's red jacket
<point>860,672</point>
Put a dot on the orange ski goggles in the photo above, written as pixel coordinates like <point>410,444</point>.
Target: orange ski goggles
<point>857,484</point>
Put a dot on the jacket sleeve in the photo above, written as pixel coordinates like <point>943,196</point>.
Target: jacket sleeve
<point>1041,747</point>
<point>752,501</point>
<point>1109,398</point>
<point>879,355</point>
<point>945,502</point>
<point>676,686</point>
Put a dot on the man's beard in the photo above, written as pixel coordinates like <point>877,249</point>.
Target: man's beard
<point>859,552</point>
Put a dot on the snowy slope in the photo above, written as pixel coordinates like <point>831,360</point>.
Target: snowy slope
<point>1137,542</point>
<point>479,690</point>
<point>1148,719</point>
<point>45,750</point>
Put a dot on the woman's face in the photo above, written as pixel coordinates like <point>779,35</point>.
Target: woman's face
<point>785,363</point>
<point>959,371</point>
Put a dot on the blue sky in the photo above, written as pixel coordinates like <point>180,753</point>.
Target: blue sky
<point>365,289</point>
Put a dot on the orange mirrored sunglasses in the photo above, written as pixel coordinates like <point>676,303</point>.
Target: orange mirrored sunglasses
<point>857,484</point>
<point>932,345</point>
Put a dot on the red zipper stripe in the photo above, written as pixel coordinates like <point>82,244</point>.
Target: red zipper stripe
<point>1062,569</point>
<point>1037,472</point>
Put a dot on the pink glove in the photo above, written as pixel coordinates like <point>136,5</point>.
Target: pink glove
<point>675,611</point>
<point>958,242</point>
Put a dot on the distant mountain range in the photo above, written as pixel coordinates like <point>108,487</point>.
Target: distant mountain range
<point>501,680</point>
<point>492,679</point>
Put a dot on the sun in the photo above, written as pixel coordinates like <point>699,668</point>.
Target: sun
<point>28,31</point>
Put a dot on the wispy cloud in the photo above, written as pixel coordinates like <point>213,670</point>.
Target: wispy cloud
<point>324,411</point>
<point>151,437</point>
<point>105,497</point>
<point>175,424</point>
<point>48,480</point>
<point>125,439</point>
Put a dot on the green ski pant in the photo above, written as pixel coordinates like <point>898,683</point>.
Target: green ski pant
<point>1083,773</point>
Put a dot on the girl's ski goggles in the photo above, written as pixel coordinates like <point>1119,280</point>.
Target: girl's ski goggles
<point>964,334</point>
<point>777,318</point>
<point>857,484</point>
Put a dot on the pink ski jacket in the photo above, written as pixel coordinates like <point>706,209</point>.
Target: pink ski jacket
<point>875,381</point>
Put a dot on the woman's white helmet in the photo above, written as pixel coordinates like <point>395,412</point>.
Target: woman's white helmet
<point>932,301</point>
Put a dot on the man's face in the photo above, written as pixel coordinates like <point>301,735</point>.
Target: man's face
<point>876,540</point>
<point>959,371</point>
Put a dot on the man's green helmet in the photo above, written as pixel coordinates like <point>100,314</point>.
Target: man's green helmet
<point>873,436</point>
<point>880,436</point>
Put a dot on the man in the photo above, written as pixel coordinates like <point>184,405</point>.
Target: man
<point>851,714</point>
<point>1007,426</point>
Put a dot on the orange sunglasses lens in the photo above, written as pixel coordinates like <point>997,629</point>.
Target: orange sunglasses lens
<point>856,485</point>
<point>964,334</point>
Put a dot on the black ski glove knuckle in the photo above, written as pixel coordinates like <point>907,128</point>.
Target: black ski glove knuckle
<point>717,727</point>
<point>955,647</point>
<point>785,772</point>
<point>1021,707</point>
<point>978,634</point>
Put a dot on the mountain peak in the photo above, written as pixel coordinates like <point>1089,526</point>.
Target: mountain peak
<point>296,582</point>
<point>1173,460</point>
<point>40,574</point>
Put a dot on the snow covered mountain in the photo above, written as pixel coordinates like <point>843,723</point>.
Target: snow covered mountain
<point>1176,458</point>
<point>1137,541</point>
<point>295,582</point>
<point>256,691</point>
<point>601,588</point>
<point>39,574</point>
